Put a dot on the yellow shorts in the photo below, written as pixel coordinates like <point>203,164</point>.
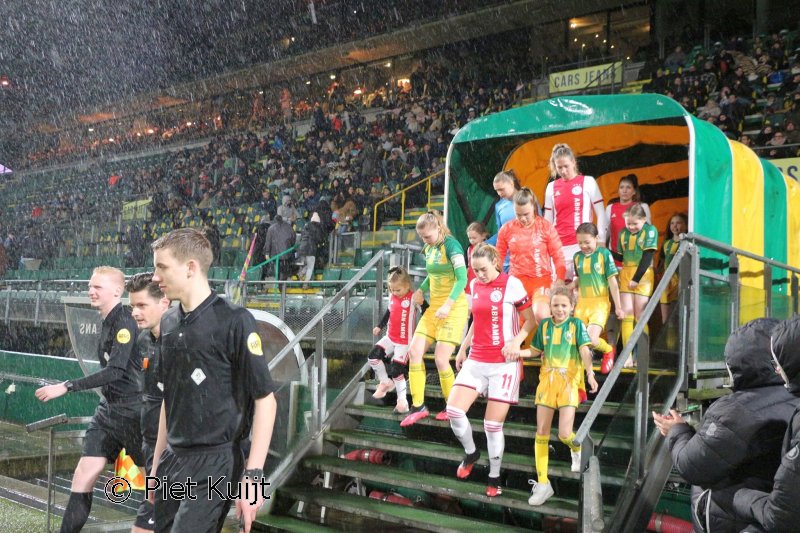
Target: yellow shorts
<point>450,329</point>
<point>671,294</point>
<point>593,311</point>
<point>645,287</point>
<point>558,388</point>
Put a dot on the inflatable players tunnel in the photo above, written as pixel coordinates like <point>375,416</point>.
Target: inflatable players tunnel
<point>683,165</point>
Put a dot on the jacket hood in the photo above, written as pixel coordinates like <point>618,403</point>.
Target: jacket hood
<point>786,347</point>
<point>748,356</point>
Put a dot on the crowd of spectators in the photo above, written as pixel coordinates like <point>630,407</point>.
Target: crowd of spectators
<point>345,163</point>
<point>339,168</point>
<point>735,81</point>
<point>331,23</point>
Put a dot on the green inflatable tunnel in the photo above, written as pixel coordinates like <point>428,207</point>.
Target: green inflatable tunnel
<point>683,165</point>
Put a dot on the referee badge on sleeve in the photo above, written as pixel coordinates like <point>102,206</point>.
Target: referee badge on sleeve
<point>254,344</point>
<point>123,336</point>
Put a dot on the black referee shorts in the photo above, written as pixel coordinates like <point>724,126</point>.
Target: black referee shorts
<point>206,512</point>
<point>113,427</point>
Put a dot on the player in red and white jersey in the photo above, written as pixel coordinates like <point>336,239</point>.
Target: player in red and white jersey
<point>498,302</point>
<point>569,201</point>
<point>401,317</point>
<point>615,211</point>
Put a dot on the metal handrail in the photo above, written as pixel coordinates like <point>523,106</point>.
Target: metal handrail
<point>402,193</point>
<point>597,404</point>
<point>591,513</point>
<point>50,424</point>
<point>274,258</point>
<point>325,309</point>
<point>5,376</point>
<point>321,414</point>
<point>726,249</point>
<point>689,254</point>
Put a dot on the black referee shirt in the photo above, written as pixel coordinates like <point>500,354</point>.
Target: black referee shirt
<point>118,349</point>
<point>213,368</point>
<point>152,394</point>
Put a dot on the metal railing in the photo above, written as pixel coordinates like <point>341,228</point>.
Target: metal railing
<point>274,259</point>
<point>650,462</point>
<point>329,389</point>
<point>402,193</point>
<point>321,412</point>
<point>50,424</point>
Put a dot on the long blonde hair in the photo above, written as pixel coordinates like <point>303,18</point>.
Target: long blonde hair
<point>561,150</point>
<point>433,218</point>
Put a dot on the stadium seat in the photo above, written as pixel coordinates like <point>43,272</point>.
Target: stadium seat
<point>331,274</point>
<point>363,255</point>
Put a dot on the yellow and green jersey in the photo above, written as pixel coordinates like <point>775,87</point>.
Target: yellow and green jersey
<point>670,248</point>
<point>447,271</point>
<point>632,245</point>
<point>593,272</point>
<point>560,343</point>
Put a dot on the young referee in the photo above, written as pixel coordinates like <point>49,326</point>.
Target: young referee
<point>217,387</point>
<point>115,424</point>
<point>148,304</point>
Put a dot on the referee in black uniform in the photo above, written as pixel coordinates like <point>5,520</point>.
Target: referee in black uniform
<point>115,424</point>
<point>217,388</point>
<point>148,304</point>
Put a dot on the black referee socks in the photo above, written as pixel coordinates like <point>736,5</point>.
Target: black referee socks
<point>77,512</point>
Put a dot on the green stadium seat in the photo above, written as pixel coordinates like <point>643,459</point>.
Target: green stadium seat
<point>363,255</point>
<point>331,274</point>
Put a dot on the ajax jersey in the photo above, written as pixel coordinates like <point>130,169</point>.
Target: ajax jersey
<point>402,318</point>
<point>495,312</point>
<point>572,204</point>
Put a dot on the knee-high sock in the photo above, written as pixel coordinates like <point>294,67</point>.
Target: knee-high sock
<point>627,329</point>
<point>77,512</point>
<point>602,345</point>
<point>568,442</point>
<point>542,457</point>
<point>446,379</point>
<point>416,382</point>
<point>646,330</point>
<point>380,370</point>
<point>400,388</point>
<point>496,443</point>
<point>461,428</point>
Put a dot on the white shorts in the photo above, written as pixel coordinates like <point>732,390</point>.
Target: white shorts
<point>569,254</point>
<point>499,382</point>
<point>398,352</point>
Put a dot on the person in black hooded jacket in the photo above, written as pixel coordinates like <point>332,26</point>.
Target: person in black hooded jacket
<point>738,443</point>
<point>777,509</point>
